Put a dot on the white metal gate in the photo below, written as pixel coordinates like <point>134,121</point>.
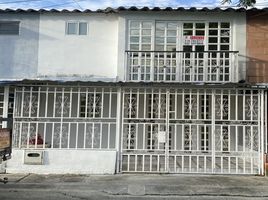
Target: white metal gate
<point>193,131</point>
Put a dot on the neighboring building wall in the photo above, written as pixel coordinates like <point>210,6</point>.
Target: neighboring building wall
<point>18,53</point>
<point>94,54</point>
<point>257,47</point>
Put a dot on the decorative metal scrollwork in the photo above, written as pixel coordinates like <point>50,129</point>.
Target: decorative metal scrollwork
<point>222,139</point>
<point>30,104</point>
<point>62,105</point>
<point>130,105</point>
<point>251,108</point>
<point>60,135</point>
<point>251,139</point>
<point>129,137</point>
<point>190,106</point>
<point>222,107</point>
<point>159,107</point>
<point>93,136</point>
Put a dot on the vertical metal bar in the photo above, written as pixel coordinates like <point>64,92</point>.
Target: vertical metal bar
<point>143,135</point>
<point>110,103</point>
<point>20,134</point>
<point>46,102</point>
<point>61,115</point>
<point>87,104</point>
<point>145,105</point>
<point>69,134</point>
<point>109,133</point>
<point>38,102</point>
<point>236,105</point>
<point>76,136</point>
<point>183,109</point>
<point>30,102</point>
<point>159,104</point>
<point>94,103</point>
<point>117,140</point>
<point>45,133</point>
<point>5,106</point>
<point>54,102</point>
<point>167,130</point>
<point>102,101</point>
<point>244,104</point>
<point>71,102</point>
<point>118,128</point>
<point>262,131</point>
<point>93,135</point>
<point>52,136</point>
<point>36,134</point>
<point>213,131</point>
<point>136,136</point>
<point>28,135</point>
<point>22,101</point>
<point>85,135</point>
<point>78,103</point>
<point>197,104</point>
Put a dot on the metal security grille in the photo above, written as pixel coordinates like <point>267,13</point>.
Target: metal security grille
<point>5,106</point>
<point>193,131</point>
<point>65,117</point>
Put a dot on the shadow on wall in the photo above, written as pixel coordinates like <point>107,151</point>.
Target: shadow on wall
<point>257,70</point>
<point>19,53</point>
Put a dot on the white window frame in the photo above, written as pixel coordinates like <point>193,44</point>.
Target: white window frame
<point>77,29</point>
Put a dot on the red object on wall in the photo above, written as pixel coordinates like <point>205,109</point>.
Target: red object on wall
<point>39,140</point>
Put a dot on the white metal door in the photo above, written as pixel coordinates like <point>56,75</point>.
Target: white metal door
<point>192,131</point>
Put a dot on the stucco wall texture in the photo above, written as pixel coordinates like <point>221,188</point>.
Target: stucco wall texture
<point>257,47</point>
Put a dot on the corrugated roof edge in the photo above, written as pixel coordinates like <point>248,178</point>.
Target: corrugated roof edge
<point>133,8</point>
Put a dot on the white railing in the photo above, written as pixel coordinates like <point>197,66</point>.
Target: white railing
<point>182,66</point>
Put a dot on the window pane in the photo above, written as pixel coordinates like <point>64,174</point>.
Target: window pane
<point>213,25</point>
<point>200,25</point>
<point>82,28</point>
<point>134,24</point>
<point>72,28</point>
<point>134,39</point>
<point>185,32</point>
<point>134,32</point>
<point>188,25</point>
<point>9,28</point>
<point>213,32</point>
<point>199,32</point>
<point>146,32</point>
<point>225,25</point>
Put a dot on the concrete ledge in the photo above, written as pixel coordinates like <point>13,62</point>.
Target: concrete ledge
<point>59,161</point>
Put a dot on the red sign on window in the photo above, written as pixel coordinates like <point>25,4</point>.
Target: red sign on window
<point>194,40</point>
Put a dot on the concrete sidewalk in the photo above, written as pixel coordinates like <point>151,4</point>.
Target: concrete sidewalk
<point>136,186</point>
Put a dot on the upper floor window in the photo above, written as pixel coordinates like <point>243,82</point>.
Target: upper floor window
<point>76,28</point>
<point>9,27</point>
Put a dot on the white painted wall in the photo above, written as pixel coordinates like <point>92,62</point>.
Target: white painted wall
<point>82,55</point>
<point>18,53</point>
<point>59,161</point>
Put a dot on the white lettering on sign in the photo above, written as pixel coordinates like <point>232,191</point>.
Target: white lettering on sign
<point>194,40</point>
<point>161,137</point>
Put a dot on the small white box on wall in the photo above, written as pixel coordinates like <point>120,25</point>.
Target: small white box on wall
<point>33,157</point>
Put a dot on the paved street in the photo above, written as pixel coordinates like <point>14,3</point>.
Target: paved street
<point>82,187</point>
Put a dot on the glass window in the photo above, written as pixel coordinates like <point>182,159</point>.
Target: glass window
<point>9,27</point>
<point>71,28</point>
<point>76,28</point>
<point>82,28</point>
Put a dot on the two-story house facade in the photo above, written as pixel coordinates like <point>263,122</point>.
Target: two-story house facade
<point>134,90</point>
